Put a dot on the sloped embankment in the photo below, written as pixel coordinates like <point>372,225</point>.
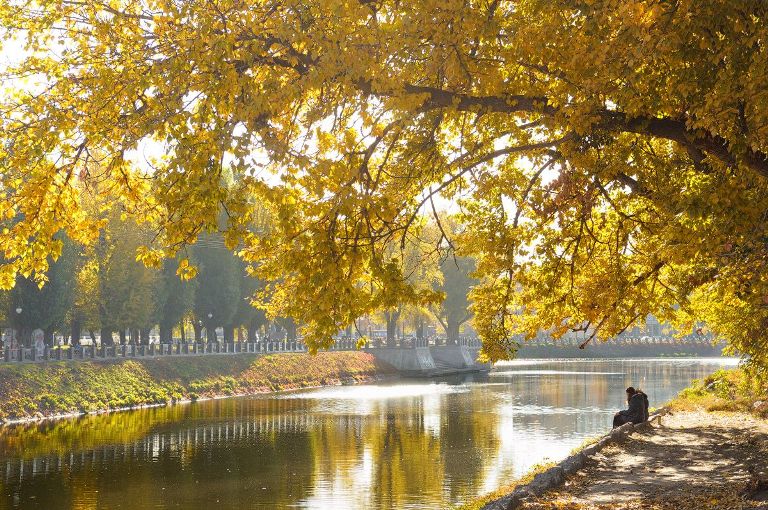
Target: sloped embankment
<point>41,390</point>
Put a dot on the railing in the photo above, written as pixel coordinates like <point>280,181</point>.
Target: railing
<point>102,352</point>
<point>643,340</point>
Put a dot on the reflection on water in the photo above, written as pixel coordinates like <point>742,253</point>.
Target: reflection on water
<point>378,392</point>
<point>415,444</point>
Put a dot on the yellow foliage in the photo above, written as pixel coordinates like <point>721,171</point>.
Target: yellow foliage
<point>608,158</point>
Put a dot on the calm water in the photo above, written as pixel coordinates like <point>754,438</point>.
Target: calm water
<point>409,444</point>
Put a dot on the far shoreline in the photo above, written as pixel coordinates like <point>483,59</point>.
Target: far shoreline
<point>36,393</point>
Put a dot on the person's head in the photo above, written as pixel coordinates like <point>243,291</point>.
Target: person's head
<point>630,392</point>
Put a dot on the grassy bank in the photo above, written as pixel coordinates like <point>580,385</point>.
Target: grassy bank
<point>38,390</point>
<point>480,502</point>
<point>734,390</point>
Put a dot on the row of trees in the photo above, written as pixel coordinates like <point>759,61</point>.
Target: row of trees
<point>103,288</point>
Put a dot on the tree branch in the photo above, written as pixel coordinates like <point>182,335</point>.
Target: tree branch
<point>696,142</point>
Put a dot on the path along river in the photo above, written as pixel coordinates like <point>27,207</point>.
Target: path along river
<point>404,444</point>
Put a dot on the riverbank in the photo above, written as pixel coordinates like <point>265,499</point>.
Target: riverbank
<point>37,391</point>
<point>710,451</point>
<point>695,460</point>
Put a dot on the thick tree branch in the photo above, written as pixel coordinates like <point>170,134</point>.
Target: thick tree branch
<point>696,142</point>
<point>693,141</point>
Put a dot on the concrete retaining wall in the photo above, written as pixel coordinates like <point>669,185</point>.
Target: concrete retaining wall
<point>452,356</point>
<point>431,361</point>
<point>416,361</point>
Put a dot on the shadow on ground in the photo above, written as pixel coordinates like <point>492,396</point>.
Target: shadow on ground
<point>709,460</point>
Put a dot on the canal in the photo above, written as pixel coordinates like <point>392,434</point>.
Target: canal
<point>399,445</point>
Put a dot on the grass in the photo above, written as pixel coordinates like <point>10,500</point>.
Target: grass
<point>734,390</point>
<point>37,390</point>
<point>587,442</point>
<point>478,503</point>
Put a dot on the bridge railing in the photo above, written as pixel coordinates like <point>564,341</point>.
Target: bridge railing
<point>624,341</point>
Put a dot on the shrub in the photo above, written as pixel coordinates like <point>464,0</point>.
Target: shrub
<point>735,390</point>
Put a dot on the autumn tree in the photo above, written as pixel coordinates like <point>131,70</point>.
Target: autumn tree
<point>416,261</point>
<point>84,315</point>
<point>218,292</point>
<point>34,307</point>
<point>174,298</point>
<point>610,157</point>
<point>454,309</point>
<point>124,288</point>
<point>5,308</point>
<point>246,315</point>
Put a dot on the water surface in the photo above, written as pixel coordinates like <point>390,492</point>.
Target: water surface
<point>405,444</point>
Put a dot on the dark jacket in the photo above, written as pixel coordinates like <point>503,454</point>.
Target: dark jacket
<point>638,408</point>
<point>645,405</point>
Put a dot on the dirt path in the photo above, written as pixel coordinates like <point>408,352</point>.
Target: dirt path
<point>692,460</point>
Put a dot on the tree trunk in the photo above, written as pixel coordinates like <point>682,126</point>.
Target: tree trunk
<point>144,336</point>
<point>290,330</point>
<point>452,333</point>
<point>198,328</point>
<point>106,336</point>
<point>183,333</point>
<point>24,337</point>
<point>210,333</point>
<point>48,338</point>
<point>420,330</point>
<point>75,332</point>
<point>92,334</point>
<point>391,329</point>
<point>166,334</point>
<point>229,334</point>
<point>124,337</point>
<point>251,332</point>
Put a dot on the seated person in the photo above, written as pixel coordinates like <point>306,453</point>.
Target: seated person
<point>637,411</point>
